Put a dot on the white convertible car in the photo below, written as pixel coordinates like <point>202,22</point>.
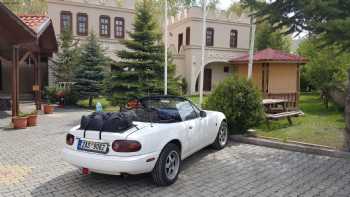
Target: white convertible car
<point>155,138</point>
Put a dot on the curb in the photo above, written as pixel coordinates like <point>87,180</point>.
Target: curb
<point>297,147</point>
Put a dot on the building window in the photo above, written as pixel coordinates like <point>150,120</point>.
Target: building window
<point>226,69</point>
<point>210,37</point>
<point>105,26</point>
<point>233,38</point>
<point>82,24</point>
<point>66,21</point>
<point>188,35</point>
<point>119,27</point>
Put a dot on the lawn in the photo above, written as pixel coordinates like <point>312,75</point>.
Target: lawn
<point>106,105</point>
<point>195,99</point>
<point>318,126</point>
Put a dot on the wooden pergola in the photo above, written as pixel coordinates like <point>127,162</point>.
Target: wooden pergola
<point>22,37</point>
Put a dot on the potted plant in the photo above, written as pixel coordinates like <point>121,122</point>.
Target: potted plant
<point>32,119</point>
<point>20,122</point>
<point>49,108</point>
<point>50,93</point>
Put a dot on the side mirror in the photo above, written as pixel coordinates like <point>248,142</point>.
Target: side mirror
<point>203,114</point>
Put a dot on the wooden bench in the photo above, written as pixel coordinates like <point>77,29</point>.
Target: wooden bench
<point>287,114</point>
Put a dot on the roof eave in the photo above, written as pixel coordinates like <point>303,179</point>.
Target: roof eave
<point>271,61</point>
<point>43,27</point>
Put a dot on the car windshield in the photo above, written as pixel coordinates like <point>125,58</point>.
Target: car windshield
<point>165,110</point>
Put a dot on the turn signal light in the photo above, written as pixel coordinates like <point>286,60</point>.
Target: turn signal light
<point>70,139</point>
<point>126,146</point>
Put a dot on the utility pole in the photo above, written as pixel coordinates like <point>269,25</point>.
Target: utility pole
<point>166,48</point>
<point>201,77</point>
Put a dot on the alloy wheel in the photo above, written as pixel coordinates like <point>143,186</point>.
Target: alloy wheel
<point>172,164</point>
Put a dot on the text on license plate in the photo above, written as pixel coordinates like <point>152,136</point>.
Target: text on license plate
<point>92,146</point>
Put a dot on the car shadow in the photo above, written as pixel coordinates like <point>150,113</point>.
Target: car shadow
<point>74,183</point>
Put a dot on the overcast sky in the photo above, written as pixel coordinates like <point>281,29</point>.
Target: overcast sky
<point>224,4</point>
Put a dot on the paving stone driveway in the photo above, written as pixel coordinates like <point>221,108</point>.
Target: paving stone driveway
<point>31,165</point>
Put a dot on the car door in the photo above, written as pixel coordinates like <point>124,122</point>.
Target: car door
<point>206,127</point>
<point>192,122</point>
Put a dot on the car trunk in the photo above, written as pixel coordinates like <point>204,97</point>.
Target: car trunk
<point>106,137</point>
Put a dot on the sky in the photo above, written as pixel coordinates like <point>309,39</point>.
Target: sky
<point>224,4</point>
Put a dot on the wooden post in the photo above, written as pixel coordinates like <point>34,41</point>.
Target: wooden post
<point>34,88</point>
<point>298,87</point>
<point>15,86</point>
<point>38,107</point>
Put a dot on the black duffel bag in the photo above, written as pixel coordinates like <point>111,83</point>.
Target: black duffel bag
<point>108,122</point>
<point>93,121</point>
<point>118,122</point>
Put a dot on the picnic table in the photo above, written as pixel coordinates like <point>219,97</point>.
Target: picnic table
<point>270,104</point>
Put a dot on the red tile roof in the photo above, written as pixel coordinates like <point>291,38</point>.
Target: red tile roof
<point>270,55</point>
<point>34,21</point>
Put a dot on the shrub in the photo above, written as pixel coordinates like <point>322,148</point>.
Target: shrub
<point>50,93</point>
<point>240,101</point>
<point>54,93</point>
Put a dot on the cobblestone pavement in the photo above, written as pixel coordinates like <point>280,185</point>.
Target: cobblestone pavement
<point>31,165</point>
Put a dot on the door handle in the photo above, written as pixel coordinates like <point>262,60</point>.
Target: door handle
<point>190,127</point>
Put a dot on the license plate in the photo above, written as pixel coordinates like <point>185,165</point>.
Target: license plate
<point>92,146</point>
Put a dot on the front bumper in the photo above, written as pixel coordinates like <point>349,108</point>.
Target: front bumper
<point>114,165</point>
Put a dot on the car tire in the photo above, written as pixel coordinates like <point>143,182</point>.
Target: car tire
<point>168,166</point>
<point>222,137</point>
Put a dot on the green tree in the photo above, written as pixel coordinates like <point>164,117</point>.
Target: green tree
<point>328,20</point>
<point>141,69</point>
<point>326,68</point>
<point>236,8</point>
<point>26,6</point>
<point>266,37</point>
<point>89,74</point>
<point>66,59</point>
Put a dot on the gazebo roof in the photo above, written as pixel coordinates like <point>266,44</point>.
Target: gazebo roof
<point>37,23</point>
<point>33,33</point>
<point>270,55</point>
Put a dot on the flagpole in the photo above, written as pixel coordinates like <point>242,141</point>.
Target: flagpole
<point>204,30</point>
<point>166,48</point>
<point>251,47</point>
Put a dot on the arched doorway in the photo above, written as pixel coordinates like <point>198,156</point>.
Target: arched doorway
<point>214,73</point>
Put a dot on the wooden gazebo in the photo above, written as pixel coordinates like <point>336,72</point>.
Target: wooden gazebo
<point>275,73</point>
<point>22,37</point>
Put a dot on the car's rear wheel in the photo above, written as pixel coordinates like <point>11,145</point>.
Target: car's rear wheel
<point>168,165</point>
<point>222,137</point>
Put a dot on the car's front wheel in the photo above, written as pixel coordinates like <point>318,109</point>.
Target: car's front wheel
<point>222,137</point>
<point>168,166</point>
